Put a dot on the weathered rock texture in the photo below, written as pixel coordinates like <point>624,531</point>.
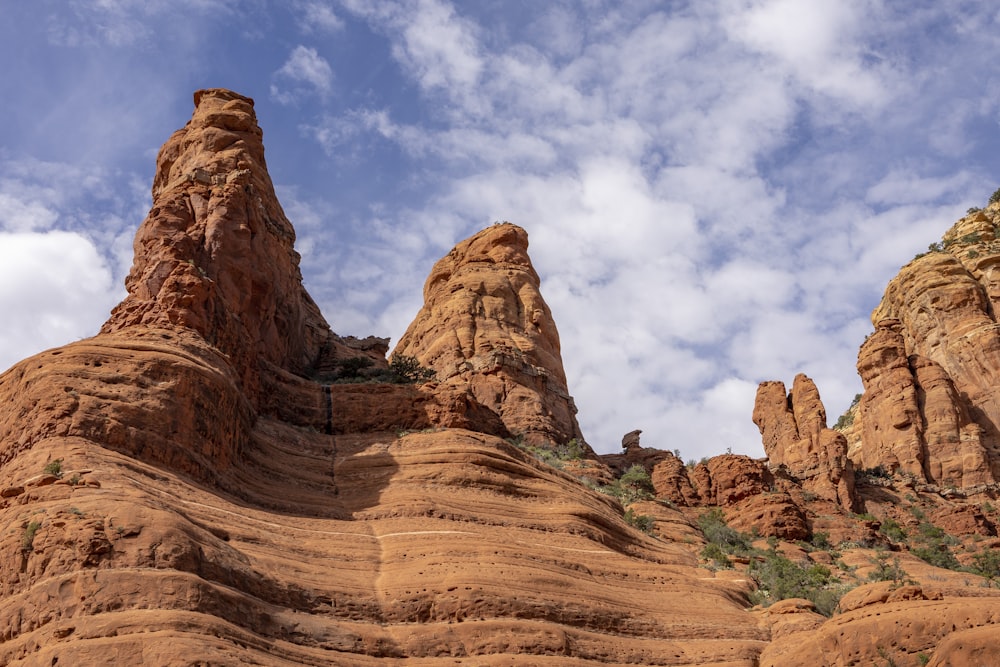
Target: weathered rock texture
<point>484,327</point>
<point>931,406</point>
<point>796,438</point>
<point>217,502</point>
<point>189,487</point>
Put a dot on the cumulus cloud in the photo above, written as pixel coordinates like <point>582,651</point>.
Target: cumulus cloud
<point>65,246</point>
<point>319,17</point>
<point>437,46</point>
<point>655,163</point>
<point>56,288</point>
<point>304,73</point>
<point>821,45</point>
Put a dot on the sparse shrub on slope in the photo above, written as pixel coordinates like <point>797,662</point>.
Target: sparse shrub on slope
<point>778,578</point>
<point>635,484</point>
<point>407,370</point>
<point>721,538</point>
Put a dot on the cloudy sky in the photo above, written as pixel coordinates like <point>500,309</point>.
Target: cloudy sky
<point>716,191</point>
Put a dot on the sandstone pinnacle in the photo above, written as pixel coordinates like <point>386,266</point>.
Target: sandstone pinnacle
<point>215,254</point>
<point>485,328</point>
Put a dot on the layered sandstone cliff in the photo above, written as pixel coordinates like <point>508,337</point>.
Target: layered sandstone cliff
<point>189,486</point>
<point>195,485</point>
<point>931,406</point>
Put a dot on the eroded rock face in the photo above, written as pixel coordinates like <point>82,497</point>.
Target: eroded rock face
<point>932,404</point>
<point>795,436</point>
<point>484,327</point>
<point>219,499</point>
<point>215,254</point>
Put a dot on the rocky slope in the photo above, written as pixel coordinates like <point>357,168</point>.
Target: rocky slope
<point>920,453</point>
<point>217,478</point>
<point>191,486</point>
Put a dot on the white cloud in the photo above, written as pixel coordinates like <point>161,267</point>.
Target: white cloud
<point>319,17</point>
<point>17,215</point>
<point>819,44</point>
<point>304,73</point>
<point>56,287</point>
<point>438,47</point>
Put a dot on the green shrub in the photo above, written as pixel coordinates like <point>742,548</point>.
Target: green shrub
<point>873,476</point>
<point>821,541</point>
<point>778,578</point>
<point>28,540</point>
<point>938,555</point>
<point>886,571</point>
<point>714,553</point>
<point>987,564</point>
<point>54,468</point>
<point>995,197</point>
<point>555,456</point>
<point>353,368</point>
<point>847,418</point>
<point>643,522</point>
<point>717,531</point>
<point>935,546</point>
<point>407,370</point>
<point>891,529</point>
<point>635,484</point>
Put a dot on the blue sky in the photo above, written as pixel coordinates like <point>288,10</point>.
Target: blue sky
<point>716,191</point>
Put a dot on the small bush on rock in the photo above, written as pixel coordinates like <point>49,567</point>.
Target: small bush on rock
<point>717,531</point>
<point>778,578</point>
<point>635,484</point>
<point>643,522</point>
<point>407,370</point>
<point>54,468</point>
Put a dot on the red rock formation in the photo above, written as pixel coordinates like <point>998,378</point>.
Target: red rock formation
<point>883,623</point>
<point>770,515</point>
<point>217,504</point>
<point>215,255</point>
<point>931,405</point>
<point>485,328</point>
<point>795,437</point>
<point>188,485</point>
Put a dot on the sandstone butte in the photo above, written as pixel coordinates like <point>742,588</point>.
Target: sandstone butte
<point>194,485</point>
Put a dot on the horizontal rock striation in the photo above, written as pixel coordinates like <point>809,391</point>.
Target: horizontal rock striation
<point>190,487</point>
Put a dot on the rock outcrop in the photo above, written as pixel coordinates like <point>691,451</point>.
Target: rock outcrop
<point>196,484</point>
<point>796,439</point>
<point>485,328</point>
<point>187,487</point>
<point>931,406</point>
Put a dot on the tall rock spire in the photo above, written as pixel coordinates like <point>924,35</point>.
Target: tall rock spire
<point>215,254</point>
<point>484,326</point>
<point>793,430</point>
